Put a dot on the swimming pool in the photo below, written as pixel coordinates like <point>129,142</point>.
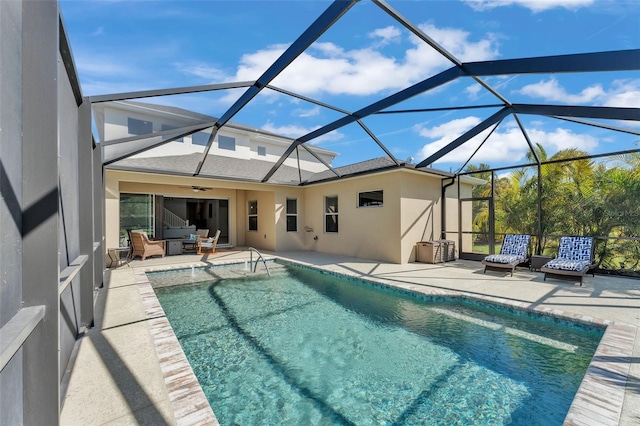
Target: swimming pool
<point>308,348</point>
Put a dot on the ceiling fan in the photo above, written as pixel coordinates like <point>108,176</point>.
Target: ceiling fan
<point>196,188</point>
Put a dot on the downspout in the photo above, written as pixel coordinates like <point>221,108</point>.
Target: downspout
<point>443,217</point>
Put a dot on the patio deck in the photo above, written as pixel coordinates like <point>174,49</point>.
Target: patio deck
<point>129,369</point>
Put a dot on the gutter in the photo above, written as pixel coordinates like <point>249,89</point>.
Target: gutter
<point>443,217</point>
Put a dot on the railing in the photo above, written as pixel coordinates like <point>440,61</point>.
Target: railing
<point>172,220</point>
<point>15,332</point>
<point>254,266</point>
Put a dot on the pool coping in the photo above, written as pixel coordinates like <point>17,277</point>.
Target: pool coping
<point>598,400</point>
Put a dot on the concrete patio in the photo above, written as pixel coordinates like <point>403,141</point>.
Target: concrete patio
<point>129,368</point>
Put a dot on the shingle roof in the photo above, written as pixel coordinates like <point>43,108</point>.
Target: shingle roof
<point>253,170</point>
<point>215,167</point>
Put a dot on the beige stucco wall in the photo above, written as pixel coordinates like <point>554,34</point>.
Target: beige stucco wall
<point>265,237</point>
<point>421,212</point>
<point>117,182</point>
<point>287,241</point>
<point>389,233</point>
<point>381,233</point>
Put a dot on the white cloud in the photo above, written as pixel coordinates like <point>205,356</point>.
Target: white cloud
<point>551,90</point>
<point>386,35</point>
<point>533,5</point>
<point>98,31</point>
<point>102,66</point>
<point>454,127</point>
<point>506,144</point>
<point>295,131</point>
<point>624,93</point>
<point>621,93</point>
<point>202,70</point>
<point>473,90</point>
<point>328,67</point>
<point>304,113</point>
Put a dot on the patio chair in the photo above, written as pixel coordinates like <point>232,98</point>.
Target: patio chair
<point>192,242</point>
<point>574,260</point>
<point>514,251</point>
<point>144,247</point>
<point>208,245</point>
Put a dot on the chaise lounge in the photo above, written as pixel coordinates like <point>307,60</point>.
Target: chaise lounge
<point>514,251</point>
<point>574,260</point>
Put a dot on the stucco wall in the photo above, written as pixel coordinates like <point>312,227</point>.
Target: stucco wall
<point>367,232</point>
<point>265,237</point>
<point>421,212</point>
<point>411,212</point>
<point>287,241</point>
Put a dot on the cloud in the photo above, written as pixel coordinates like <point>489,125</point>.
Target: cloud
<point>624,93</point>
<point>621,93</point>
<point>454,127</point>
<point>533,5</point>
<point>386,35</point>
<point>506,145</point>
<point>98,31</point>
<point>550,90</point>
<point>295,131</point>
<point>202,70</point>
<point>102,66</point>
<point>473,90</point>
<point>304,113</point>
<point>329,68</point>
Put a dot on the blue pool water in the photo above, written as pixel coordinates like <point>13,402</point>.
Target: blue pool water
<point>307,348</point>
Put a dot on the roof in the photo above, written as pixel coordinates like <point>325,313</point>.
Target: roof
<point>254,170</point>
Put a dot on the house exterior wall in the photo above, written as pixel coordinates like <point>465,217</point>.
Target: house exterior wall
<point>114,125</point>
<point>367,232</point>
<point>287,241</point>
<point>421,212</point>
<point>265,237</point>
<point>411,212</point>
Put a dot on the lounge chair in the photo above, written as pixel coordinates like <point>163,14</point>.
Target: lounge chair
<point>144,247</point>
<point>574,260</point>
<point>208,245</point>
<point>514,251</point>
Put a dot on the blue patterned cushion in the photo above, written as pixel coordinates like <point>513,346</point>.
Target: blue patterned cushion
<point>567,265</point>
<point>503,258</point>
<point>516,244</point>
<point>575,248</point>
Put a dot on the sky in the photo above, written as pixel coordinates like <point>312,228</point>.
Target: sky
<point>131,45</point>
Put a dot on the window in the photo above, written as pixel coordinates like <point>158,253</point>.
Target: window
<point>262,151</point>
<point>292,215</point>
<point>139,127</point>
<point>253,215</point>
<point>370,199</point>
<point>331,214</point>
<point>226,142</point>
<point>168,127</point>
<point>136,212</point>
<point>200,138</point>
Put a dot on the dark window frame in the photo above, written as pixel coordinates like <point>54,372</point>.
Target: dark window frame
<point>292,217</point>
<point>136,126</point>
<point>331,216</point>
<point>368,199</point>
<point>252,215</point>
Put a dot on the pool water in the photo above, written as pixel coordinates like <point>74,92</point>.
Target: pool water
<point>307,348</point>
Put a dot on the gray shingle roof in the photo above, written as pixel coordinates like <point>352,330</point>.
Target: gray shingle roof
<point>215,167</point>
<point>252,170</point>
